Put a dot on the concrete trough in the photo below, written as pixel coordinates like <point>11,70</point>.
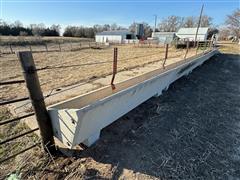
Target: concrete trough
<point>80,119</point>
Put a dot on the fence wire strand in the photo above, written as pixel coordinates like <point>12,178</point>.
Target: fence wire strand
<point>18,153</point>
<point>58,66</point>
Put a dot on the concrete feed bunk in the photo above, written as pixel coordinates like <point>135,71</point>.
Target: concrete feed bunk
<point>80,119</point>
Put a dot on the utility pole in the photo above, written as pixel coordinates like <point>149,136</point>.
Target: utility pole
<point>155,25</point>
<point>199,23</point>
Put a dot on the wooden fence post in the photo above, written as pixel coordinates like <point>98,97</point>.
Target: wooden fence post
<point>209,44</point>
<point>115,55</point>
<point>185,56</point>
<point>71,45</point>
<point>30,48</point>
<point>212,44</point>
<point>197,47</point>
<point>37,99</point>
<point>166,56</point>
<point>11,48</point>
<point>59,45</point>
<point>46,47</point>
<point>177,44</point>
<point>205,46</point>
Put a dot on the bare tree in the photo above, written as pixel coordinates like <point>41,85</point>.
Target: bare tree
<point>233,22</point>
<point>17,24</point>
<point>189,22</point>
<point>170,24</point>
<point>132,27</point>
<point>56,28</point>
<point>106,27</point>
<point>37,29</point>
<point>147,30</point>
<point>212,31</point>
<point>224,33</point>
<point>206,21</point>
<point>114,27</point>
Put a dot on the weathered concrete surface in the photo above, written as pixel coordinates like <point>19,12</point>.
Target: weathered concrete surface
<point>80,120</point>
<point>63,93</point>
<point>191,131</point>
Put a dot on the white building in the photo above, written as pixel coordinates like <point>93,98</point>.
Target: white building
<point>164,37</point>
<point>190,33</point>
<point>113,36</point>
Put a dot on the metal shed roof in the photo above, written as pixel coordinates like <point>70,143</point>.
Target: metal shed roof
<point>120,32</point>
<point>164,33</point>
<point>202,30</point>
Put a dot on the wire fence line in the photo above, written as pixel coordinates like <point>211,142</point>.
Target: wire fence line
<point>13,137</point>
<point>58,66</point>
<point>50,47</point>
<point>18,153</point>
<point>15,119</point>
<point>61,65</point>
<point>109,61</point>
<point>94,63</point>
<point>4,143</point>
<point>106,74</point>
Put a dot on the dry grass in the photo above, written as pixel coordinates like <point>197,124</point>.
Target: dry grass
<point>72,67</point>
<point>187,133</point>
<point>31,39</point>
<point>229,47</point>
<point>24,160</point>
<point>65,68</point>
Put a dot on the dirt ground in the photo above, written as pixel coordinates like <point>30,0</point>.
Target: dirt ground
<point>192,131</point>
<point>61,69</point>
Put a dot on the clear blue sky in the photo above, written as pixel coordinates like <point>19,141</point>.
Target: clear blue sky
<point>90,12</point>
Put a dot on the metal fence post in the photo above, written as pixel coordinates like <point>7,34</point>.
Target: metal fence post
<point>166,56</point>
<point>30,48</point>
<point>37,99</point>
<point>205,46</point>
<point>11,48</point>
<point>209,45</point>
<point>115,54</point>
<point>177,44</point>
<point>59,45</point>
<point>185,56</point>
<point>197,47</point>
<point>71,46</point>
<point>46,47</point>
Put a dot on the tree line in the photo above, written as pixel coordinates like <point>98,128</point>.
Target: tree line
<point>167,24</point>
<point>232,26</point>
<point>89,32</point>
<point>174,23</point>
<point>17,29</point>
